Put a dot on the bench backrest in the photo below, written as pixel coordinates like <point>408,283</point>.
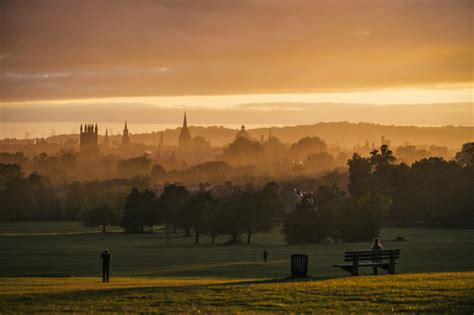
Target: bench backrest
<point>372,255</point>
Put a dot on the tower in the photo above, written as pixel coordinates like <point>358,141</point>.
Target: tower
<point>125,137</point>
<point>161,144</point>
<point>88,137</point>
<point>106,138</point>
<point>184,135</point>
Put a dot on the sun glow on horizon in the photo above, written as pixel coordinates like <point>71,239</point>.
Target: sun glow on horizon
<point>403,96</point>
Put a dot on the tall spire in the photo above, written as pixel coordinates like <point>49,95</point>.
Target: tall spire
<point>162,142</point>
<point>106,139</point>
<point>125,137</point>
<point>184,135</point>
<point>185,122</point>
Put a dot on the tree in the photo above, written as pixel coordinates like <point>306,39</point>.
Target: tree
<point>363,217</point>
<point>139,211</point>
<point>157,171</point>
<point>465,157</point>
<point>268,211</point>
<point>215,216</point>
<point>317,162</point>
<point>135,166</point>
<point>243,152</point>
<point>171,204</point>
<point>359,174</point>
<point>102,215</point>
<point>314,218</point>
<point>307,146</point>
<point>197,210</point>
<point>382,158</point>
<point>251,211</point>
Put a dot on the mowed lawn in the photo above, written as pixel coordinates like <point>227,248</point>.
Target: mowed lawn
<point>428,293</point>
<point>69,249</point>
<point>55,267</point>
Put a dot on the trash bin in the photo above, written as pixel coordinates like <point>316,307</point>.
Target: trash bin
<point>299,266</point>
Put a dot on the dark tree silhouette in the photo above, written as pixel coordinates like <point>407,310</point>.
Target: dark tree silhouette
<point>171,205</point>
<point>363,217</point>
<point>196,212</point>
<point>314,218</point>
<point>465,157</point>
<point>102,215</point>
<point>139,211</point>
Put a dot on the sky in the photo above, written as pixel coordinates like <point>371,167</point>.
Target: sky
<point>214,53</point>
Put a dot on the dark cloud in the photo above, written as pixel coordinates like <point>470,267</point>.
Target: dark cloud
<point>110,48</point>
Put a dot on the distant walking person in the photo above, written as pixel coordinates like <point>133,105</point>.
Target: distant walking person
<point>105,265</point>
<point>376,247</point>
<point>265,255</point>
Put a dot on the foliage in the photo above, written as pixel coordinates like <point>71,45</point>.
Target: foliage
<point>363,217</point>
<point>307,146</point>
<point>314,218</point>
<point>139,211</point>
<point>102,215</point>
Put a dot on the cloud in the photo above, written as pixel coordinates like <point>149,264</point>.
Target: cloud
<point>112,48</point>
<point>33,76</point>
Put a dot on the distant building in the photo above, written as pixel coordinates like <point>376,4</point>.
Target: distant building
<point>125,137</point>
<point>384,141</point>
<point>242,133</point>
<point>106,138</point>
<point>161,145</point>
<point>88,138</point>
<point>184,134</point>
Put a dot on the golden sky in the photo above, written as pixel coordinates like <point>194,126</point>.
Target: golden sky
<point>382,51</point>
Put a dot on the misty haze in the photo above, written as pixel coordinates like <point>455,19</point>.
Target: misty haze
<point>236,156</point>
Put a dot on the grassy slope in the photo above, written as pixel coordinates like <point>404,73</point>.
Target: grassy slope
<point>435,292</point>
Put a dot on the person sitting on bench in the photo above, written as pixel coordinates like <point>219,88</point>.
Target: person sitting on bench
<point>376,247</point>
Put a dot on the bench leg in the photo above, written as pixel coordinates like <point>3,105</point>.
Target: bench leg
<point>355,270</point>
<point>391,267</point>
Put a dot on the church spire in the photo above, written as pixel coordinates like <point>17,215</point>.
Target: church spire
<point>184,135</point>
<point>125,137</point>
<point>162,142</point>
<point>185,122</point>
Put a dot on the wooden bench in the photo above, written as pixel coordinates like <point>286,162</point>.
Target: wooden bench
<point>384,259</point>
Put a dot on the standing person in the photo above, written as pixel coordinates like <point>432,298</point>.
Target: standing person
<point>265,255</point>
<point>376,247</point>
<point>105,265</point>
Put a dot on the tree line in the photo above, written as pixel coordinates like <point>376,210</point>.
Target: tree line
<point>430,192</point>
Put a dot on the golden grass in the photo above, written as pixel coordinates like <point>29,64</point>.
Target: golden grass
<point>431,292</point>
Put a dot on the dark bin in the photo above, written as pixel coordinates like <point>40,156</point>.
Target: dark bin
<point>299,266</point>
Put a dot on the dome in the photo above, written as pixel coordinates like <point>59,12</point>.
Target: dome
<point>242,133</point>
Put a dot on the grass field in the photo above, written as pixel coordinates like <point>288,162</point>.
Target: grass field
<point>54,267</point>
<point>68,249</point>
<point>429,293</point>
